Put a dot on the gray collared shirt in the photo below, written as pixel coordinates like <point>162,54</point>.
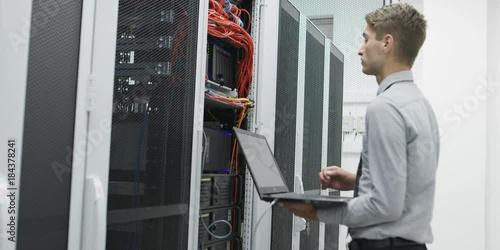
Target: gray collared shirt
<point>400,156</point>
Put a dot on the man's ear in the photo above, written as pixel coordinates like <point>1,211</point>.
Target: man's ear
<point>388,41</point>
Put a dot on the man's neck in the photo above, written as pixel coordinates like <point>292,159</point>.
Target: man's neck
<point>389,71</point>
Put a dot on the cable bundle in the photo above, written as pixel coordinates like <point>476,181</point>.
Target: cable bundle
<point>238,102</point>
<point>226,24</point>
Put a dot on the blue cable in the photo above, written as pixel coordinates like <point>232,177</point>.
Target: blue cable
<point>137,175</point>
<point>227,6</point>
<point>135,201</point>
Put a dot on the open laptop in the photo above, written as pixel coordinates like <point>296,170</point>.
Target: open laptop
<point>267,175</point>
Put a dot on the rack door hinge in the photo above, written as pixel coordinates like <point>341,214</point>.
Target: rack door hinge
<point>91,93</point>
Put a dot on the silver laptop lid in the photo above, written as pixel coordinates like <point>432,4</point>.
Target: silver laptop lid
<point>261,162</point>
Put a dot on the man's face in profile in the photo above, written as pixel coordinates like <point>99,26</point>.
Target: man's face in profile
<point>370,52</point>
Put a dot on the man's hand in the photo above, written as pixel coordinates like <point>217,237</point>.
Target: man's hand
<point>337,178</point>
<point>306,211</point>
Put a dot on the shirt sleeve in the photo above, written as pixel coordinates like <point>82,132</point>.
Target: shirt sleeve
<point>386,163</point>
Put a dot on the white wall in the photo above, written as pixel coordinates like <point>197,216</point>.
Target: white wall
<point>454,69</point>
<point>493,130</point>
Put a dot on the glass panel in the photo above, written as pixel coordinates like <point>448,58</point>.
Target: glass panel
<point>151,137</point>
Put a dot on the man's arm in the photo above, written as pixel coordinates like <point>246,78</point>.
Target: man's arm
<point>386,159</point>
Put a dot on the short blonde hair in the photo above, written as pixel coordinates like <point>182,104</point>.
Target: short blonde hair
<point>405,24</point>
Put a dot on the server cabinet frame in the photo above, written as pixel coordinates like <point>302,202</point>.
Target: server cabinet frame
<point>261,118</point>
<point>96,90</point>
<point>14,47</point>
<point>96,95</point>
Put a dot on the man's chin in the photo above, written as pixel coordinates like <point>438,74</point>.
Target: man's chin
<point>366,71</point>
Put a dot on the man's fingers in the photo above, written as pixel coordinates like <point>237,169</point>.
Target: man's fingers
<point>324,179</point>
<point>324,175</point>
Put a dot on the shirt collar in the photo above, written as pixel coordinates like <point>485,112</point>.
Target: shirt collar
<point>401,76</point>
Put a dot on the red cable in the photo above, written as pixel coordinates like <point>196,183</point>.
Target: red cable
<point>220,26</point>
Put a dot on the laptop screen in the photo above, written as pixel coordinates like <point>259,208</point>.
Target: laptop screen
<point>261,162</point>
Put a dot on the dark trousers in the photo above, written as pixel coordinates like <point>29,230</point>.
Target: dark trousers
<point>377,245</point>
<point>423,247</point>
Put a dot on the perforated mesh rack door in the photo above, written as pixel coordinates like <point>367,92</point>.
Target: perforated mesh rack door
<point>286,110</point>
<point>334,153</point>
<point>49,122</point>
<point>313,124</point>
<point>152,131</point>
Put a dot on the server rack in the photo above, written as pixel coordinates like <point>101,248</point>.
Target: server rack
<point>152,125</point>
<point>308,119</point>
<point>286,116</point>
<point>313,124</point>
<point>39,66</point>
<point>155,185</point>
<point>335,103</point>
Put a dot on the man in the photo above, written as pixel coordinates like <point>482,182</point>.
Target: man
<point>395,183</point>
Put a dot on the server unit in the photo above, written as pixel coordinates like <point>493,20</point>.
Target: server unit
<point>224,245</point>
<point>218,190</point>
<point>222,64</point>
<point>216,150</point>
